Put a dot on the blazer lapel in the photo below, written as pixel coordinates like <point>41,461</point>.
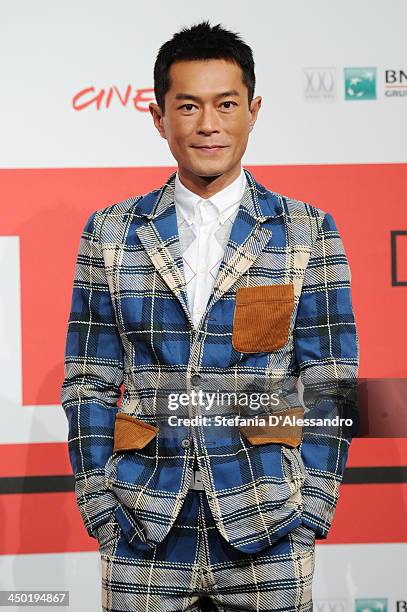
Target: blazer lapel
<point>160,238</point>
<point>248,236</point>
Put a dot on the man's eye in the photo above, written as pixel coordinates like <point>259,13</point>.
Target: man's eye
<point>187,107</point>
<point>229,104</point>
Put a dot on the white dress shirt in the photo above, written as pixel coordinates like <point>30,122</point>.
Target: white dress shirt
<point>204,228</point>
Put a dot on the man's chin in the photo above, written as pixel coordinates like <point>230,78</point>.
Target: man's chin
<point>209,172</point>
<point>212,175</point>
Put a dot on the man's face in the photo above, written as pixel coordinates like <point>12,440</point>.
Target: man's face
<point>207,117</point>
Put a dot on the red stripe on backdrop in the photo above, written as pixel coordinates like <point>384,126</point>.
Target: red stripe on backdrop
<point>48,208</point>
<point>42,523</point>
<point>32,523</point>
<point>370,513</point>
<point>45,459</point>
<point>365,452</point>
<point>51,459</point>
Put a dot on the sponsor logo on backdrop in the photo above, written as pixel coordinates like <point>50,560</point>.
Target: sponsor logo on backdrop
<point>360,83</point>
<point>319,83</point>
<point>370,605</point>
<point>395,83</point>
<point>401,605</point>
<point>113,97</point>
<point>331,605</point>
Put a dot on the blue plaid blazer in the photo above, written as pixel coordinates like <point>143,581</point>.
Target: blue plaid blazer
<point>130,325</point>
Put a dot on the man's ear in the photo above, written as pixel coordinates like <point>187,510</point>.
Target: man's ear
<point>254,109</point>
<point>158,118</point>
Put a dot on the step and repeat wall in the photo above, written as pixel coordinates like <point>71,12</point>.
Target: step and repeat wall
<point>76,135</point>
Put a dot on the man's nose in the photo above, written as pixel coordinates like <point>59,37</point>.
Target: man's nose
<point>208,121</point>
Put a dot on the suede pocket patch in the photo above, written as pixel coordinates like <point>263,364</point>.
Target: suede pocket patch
<point>131,433</point>
<point>261,320</point>
<point>288,434</point>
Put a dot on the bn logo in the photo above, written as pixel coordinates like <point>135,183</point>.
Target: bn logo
<point>395,85</point>
<point>394,77</point>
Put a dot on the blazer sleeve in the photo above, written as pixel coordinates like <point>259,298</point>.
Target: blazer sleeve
<point>327,352</point>
<point>93,374</point>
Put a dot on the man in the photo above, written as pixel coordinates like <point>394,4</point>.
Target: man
<point>210,284</point>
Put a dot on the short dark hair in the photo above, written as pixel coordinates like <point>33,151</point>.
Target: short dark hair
<point>202,42</point>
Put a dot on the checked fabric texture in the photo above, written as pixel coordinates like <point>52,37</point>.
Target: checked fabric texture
<point>195,561</point>
<point>130,325</point>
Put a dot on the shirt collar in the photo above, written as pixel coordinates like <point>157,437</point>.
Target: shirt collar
<point>224,200</point>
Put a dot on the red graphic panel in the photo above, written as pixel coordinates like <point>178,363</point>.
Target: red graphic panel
<point>47,209</point>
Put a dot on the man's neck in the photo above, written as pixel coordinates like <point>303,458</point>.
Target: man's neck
<point>206,186</point>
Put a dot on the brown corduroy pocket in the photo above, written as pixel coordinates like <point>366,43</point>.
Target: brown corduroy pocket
<point>132,433</point>
<point>289,435</point>
<point>261,320</point>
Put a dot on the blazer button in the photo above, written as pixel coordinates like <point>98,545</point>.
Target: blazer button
<point>195,379</point>
<point>186,443</point>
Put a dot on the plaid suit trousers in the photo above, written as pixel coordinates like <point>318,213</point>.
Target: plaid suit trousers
<point>195,561</point>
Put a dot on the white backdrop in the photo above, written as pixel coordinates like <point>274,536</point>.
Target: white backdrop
<point>51,51</point>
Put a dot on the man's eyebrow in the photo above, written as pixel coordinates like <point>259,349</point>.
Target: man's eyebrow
<point>224,94</point>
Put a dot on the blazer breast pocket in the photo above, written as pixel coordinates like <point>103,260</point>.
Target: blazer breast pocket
<point>261,320</point>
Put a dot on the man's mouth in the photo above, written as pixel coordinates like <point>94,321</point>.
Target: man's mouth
<point>209,148</point>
